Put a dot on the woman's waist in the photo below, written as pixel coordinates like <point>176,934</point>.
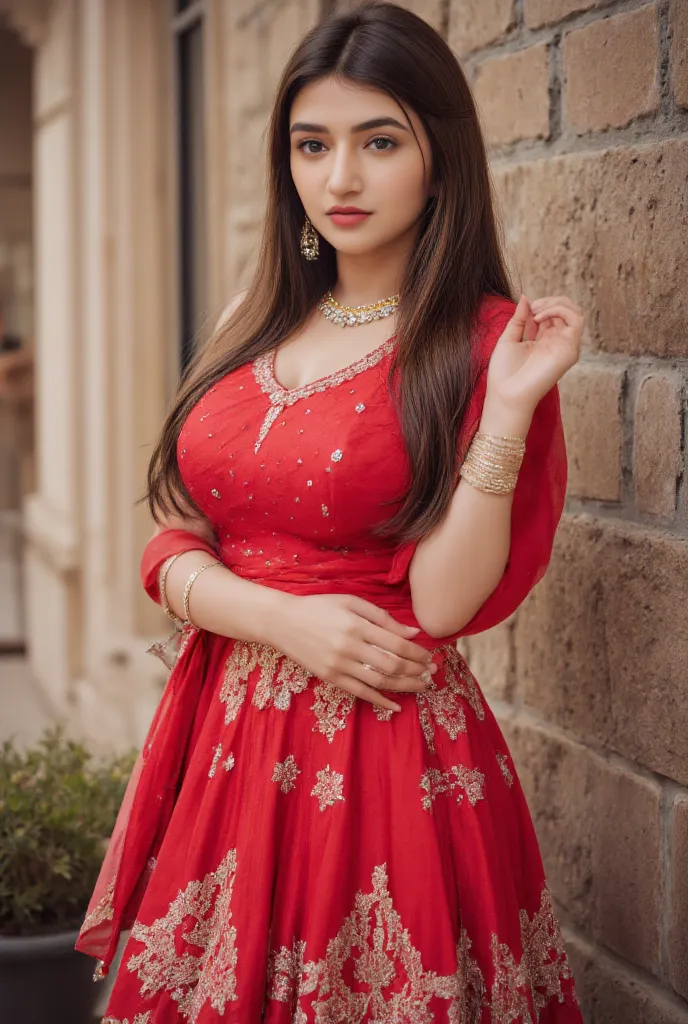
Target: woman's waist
<point>365,584</point>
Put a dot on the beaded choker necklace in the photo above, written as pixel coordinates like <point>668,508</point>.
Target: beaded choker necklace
<point>350,316</point>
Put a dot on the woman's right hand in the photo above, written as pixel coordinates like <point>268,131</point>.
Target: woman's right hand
<point>352,644</point>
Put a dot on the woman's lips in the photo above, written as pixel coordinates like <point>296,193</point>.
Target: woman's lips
<point>347,220</point>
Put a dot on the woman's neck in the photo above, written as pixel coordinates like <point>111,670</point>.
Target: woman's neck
<point>364,278</point>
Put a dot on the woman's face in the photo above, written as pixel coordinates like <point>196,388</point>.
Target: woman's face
<point>338,158</point>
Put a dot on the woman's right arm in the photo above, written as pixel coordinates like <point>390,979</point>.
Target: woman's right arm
<point>341,639</point>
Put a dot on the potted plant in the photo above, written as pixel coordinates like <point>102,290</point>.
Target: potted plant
<point>57,808</point>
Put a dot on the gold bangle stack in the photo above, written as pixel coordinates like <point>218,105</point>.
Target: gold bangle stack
<point>189,584</point>
<point>162,587</point>
<point>492,463</point>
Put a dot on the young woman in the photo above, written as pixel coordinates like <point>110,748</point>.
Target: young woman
<point>325,824</point>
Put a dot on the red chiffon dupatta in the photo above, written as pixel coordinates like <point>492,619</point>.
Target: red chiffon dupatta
<point>152,789</point>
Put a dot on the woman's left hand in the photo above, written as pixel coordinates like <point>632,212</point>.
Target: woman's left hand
<point>539,344</point>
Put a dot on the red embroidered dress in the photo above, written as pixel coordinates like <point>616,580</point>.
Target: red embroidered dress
<point>287,852</point>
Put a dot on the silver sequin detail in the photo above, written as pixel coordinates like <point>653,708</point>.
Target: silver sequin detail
<point>337,455</point>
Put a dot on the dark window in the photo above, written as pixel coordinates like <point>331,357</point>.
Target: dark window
<point>188,33</point>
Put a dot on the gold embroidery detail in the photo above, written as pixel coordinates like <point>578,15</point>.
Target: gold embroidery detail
<point>216,757</point>
<point>280,398</point>
<point>503,762</point>
<point>140,1018</point>
<point>276,685</point>
<point>331,707</point>
<point>103,910</point>
<point>285,773</point>
<point>383,714</point>
<point>240,663</point>
<point>436,781</point>
<point>371,948</point>
<point>543,966</point>
<point>229,763</point>
<point>192,979</point>
<point>443,706</point>
<point>328,788</point>
<point>280,677</point>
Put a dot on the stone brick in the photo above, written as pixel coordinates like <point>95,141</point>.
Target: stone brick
<point>475,23</point>
<point>657,444</point>
<point>610,70</point>
<point>489,655</point>
<point>547,12</point>
<point>599,830</point>
<point>428,10</point>
<point>678,898</point>
<point>679,51</point>
<point>602,642</point>
<point>610,994</point>
<point>512,93</point>
<point>608,229</point>
<point>591,410</point>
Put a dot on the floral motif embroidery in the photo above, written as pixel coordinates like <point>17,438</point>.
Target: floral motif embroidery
<point>240,663</point>
<point>140,1018</point>
<point>227,764</point>
<point>277,685</point>
<point>331,707</point>
<point>444,706</point>
<point>103,910</point>
<point>328,788</point>
<point>374,948</point>
<point>285,773</point>
<point>280,398</point>
<point>539,974</point>
<point>436,781</point>
<point>503,762</point>
<point>383,714</point>
<point>192,979</point>
<point>280,677</point>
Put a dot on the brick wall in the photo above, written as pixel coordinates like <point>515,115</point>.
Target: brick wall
<point>585,106</point>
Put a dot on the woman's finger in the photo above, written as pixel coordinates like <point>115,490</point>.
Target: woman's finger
<point>395,645</point>
<point>369,611</point>
<point>389,664</point>
<point>568,315</point>
<point>370,676</point>
<point>559,299</point>
<point>516,326</point>
<point>359,689</point>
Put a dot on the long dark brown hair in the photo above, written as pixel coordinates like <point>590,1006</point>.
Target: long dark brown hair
<point>456,260</point>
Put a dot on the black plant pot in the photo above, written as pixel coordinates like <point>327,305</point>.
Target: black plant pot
<point>43,979</point>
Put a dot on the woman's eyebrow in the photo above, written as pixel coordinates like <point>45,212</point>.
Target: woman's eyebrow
<point>375,122</point>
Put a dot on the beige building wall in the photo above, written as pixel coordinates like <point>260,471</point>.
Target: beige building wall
<point>585,106</point>
<point>16,316</point>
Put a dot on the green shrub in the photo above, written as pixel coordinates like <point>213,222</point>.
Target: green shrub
<point>57,809</point>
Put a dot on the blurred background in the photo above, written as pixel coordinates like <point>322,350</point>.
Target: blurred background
<point>131,192</point>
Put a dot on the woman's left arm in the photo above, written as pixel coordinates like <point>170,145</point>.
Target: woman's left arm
<point>456,567</point>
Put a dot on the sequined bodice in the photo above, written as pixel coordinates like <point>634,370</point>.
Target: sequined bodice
<point>295,480</point>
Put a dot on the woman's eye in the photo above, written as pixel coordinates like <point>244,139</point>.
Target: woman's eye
<point>309,142</point>
<point>383,138</point>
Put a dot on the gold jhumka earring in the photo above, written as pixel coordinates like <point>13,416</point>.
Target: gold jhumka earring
<point>310,246</point>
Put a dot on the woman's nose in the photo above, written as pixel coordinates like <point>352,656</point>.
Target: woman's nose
<point>345,174</point>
